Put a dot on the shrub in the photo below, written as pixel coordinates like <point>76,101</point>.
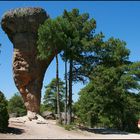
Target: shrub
<point>3,113</point>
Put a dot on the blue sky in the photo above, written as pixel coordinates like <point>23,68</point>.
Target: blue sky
<point>115,18</point>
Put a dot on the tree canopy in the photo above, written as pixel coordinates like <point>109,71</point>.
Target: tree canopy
<point>109,99</point>
<point>52,37</point>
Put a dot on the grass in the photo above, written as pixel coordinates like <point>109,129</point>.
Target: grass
<point>68,127</point>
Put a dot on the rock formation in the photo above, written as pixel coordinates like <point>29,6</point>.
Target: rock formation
<point>21,26</point>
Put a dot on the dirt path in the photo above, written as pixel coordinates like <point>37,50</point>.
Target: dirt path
<point>32,130</point>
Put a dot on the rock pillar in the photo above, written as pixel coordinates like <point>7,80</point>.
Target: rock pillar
<point>21,26</point>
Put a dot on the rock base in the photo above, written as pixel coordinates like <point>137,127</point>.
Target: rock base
<point>39,119</point>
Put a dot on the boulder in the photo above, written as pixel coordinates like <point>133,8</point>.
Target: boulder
<point>48,115</point>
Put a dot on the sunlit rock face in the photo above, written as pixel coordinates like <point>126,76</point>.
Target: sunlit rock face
<point>21,26</point>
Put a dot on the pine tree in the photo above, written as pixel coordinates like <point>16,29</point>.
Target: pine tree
<point>50,97</point>
<point>52,40</point>
<point>108,100</point>
<point>79,29</point>
<point>72,35</point>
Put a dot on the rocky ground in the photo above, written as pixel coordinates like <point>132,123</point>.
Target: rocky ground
<point>50,130</point>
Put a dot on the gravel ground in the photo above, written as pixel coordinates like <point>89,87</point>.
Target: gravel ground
<point>32,130</point>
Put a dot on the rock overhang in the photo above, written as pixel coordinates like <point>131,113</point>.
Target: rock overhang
<point>22,20</point>
<point>21,26</point>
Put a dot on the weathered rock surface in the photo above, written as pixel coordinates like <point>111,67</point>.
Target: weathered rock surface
<point>48,115</point>
<point>21,26</point>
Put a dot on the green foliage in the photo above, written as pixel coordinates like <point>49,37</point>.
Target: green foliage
<point>42,108</point>
<point>68,34</point>
<point>50,97</point>
<point>16,105</point>
<point>51,37</point>
<point>80,32</point>
<point>68,127</point>
<point>3,113</point>
<point>113,52</point>
<point>108,100</point>
<point>80,28</point>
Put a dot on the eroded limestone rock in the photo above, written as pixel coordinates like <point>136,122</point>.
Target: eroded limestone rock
<point>21,26</point>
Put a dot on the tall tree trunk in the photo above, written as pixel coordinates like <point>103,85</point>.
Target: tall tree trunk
<point>57,86</point>
<point>66,93</point>
<point>70,93</point>
<point>55,105</point>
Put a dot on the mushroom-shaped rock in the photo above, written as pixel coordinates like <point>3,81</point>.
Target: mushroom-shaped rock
<point>21,26</point>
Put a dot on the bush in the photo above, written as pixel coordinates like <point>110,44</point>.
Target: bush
<point>3,113</point>
<point>68,127</point>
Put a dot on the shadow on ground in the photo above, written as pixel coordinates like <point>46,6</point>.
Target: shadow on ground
<point>13,130</point>
<point>104,131</point>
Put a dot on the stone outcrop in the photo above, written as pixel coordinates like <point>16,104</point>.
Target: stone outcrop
<point>21,26</point>
<point>48,115</point>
